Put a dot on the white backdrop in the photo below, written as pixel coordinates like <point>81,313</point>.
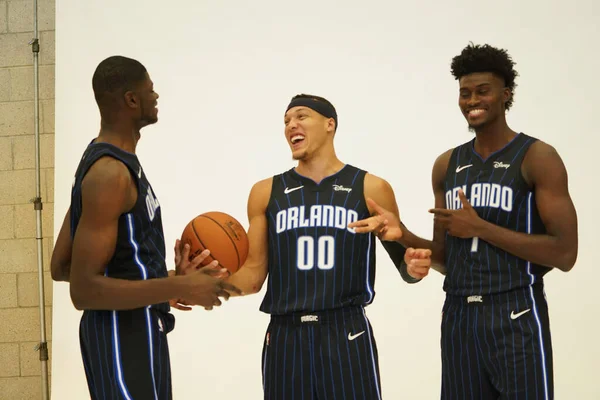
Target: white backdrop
<point>225,72</point>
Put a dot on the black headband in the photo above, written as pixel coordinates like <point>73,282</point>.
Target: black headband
<point>319,106</point>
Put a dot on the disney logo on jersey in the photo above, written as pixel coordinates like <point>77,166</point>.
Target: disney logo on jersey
<point>500,164</point>
<point>326,216</point>
<point>482,194</point>
<point>151,204</point>
<point>339,188</point>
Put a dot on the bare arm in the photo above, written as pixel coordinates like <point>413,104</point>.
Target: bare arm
<point>107,192</point>
<point>438,175</point>
<point>381,191</point>
<point>60,263</point>
<point>545,171</point>
<point>251,276</point>
<point>382,201</point>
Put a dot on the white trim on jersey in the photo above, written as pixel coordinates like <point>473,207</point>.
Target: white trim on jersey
<point>535,311</point>
<point>144,272</point>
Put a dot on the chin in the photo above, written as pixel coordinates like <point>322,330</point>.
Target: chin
<point>476,126</point>
<point>299,155</point>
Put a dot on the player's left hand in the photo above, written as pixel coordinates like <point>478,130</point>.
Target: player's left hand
<point>463,223</point>
<point>384,223</point>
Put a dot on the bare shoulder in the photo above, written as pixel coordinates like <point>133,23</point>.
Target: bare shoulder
<point>374,183</point>
<point>260,194</point>
<point>107,172</point>
<point>440,167</point>
<point>542,161</point>
<point>540,149</point>
<point>442,161</point>
<point>109,185</point>
<point>380,191</point>
<point>263,187</point>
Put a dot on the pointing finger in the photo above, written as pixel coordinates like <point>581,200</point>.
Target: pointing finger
<point>463,199</point>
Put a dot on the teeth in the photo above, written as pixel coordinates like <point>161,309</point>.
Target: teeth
<point>297,138</point>
<point>476,111</point>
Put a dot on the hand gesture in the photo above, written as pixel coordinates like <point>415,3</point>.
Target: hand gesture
<point>463,223</point>
<point>384,223</point>
<point>204,290</point>
<point>183,266</point>
<point>418,262</point>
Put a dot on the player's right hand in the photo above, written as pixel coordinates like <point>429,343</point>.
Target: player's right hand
<point>418,262</point>
<point>204,290</point>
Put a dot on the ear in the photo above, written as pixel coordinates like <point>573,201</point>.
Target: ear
<point>131,99</point>
<point>330,125</point>
<point>506,94</point>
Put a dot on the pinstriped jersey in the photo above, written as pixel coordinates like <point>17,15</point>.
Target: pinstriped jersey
<point>315,261</point>
<point>140,245</point>
<point>498,192</point>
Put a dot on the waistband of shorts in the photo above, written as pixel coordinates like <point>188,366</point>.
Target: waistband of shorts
<point>318,317</point>
<point>496,298</point>
<point>166,318</point>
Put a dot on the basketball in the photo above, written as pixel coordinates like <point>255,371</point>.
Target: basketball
<point>220,233</point>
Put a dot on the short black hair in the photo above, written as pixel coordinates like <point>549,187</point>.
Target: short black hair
<point>313,97</point>
<point>486,58</point>
<point>326,109</point>
<point>117,74</point>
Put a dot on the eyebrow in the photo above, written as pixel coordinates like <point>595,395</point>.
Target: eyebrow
<point>301,109</point>
<point>480,85</point>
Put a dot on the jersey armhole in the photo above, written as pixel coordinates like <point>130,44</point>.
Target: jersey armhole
<point>529,186</point>
<point>133,173</point>
<point>271,195</point>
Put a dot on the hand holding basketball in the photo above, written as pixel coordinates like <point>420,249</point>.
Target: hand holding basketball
<point>184,266</point>
<point>220,233</point>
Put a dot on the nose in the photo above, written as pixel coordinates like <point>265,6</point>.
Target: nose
<point>473,99</point>
<point>291,125</point>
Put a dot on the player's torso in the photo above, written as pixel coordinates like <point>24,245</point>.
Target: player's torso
<point>315,261</point>
<point>498,192</point>
<point>140,247</point>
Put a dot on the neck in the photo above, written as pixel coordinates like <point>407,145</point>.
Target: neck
<point>320,166</point>
<point>493,137</point>
<point>121,135</point>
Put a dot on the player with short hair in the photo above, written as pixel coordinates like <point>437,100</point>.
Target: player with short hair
<point>111,249</point>
<point>319,342</point>
<point>503,219</point>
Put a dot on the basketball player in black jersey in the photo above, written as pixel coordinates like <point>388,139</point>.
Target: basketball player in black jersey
<point>319,343</point>
<point>503,219</point>
<point>112,251</point>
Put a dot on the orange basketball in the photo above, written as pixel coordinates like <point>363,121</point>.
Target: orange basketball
<point>220,233</point>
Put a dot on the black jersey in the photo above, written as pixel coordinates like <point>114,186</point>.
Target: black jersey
<point>498,192</point>
<point>315,261</point>
<point>140,246</point>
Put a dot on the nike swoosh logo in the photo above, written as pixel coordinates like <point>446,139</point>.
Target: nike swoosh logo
<point>352,337</point>
<point>459,168</point>
<point>517,315</point>
<point>288,190</point>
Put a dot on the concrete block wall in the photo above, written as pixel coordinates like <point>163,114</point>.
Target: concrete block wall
<point>19,299</point>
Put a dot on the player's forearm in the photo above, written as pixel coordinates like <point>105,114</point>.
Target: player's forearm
<point>545,250</point>
<point>409,239</point>
<point>249,279</point>
<point>105,293</point>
